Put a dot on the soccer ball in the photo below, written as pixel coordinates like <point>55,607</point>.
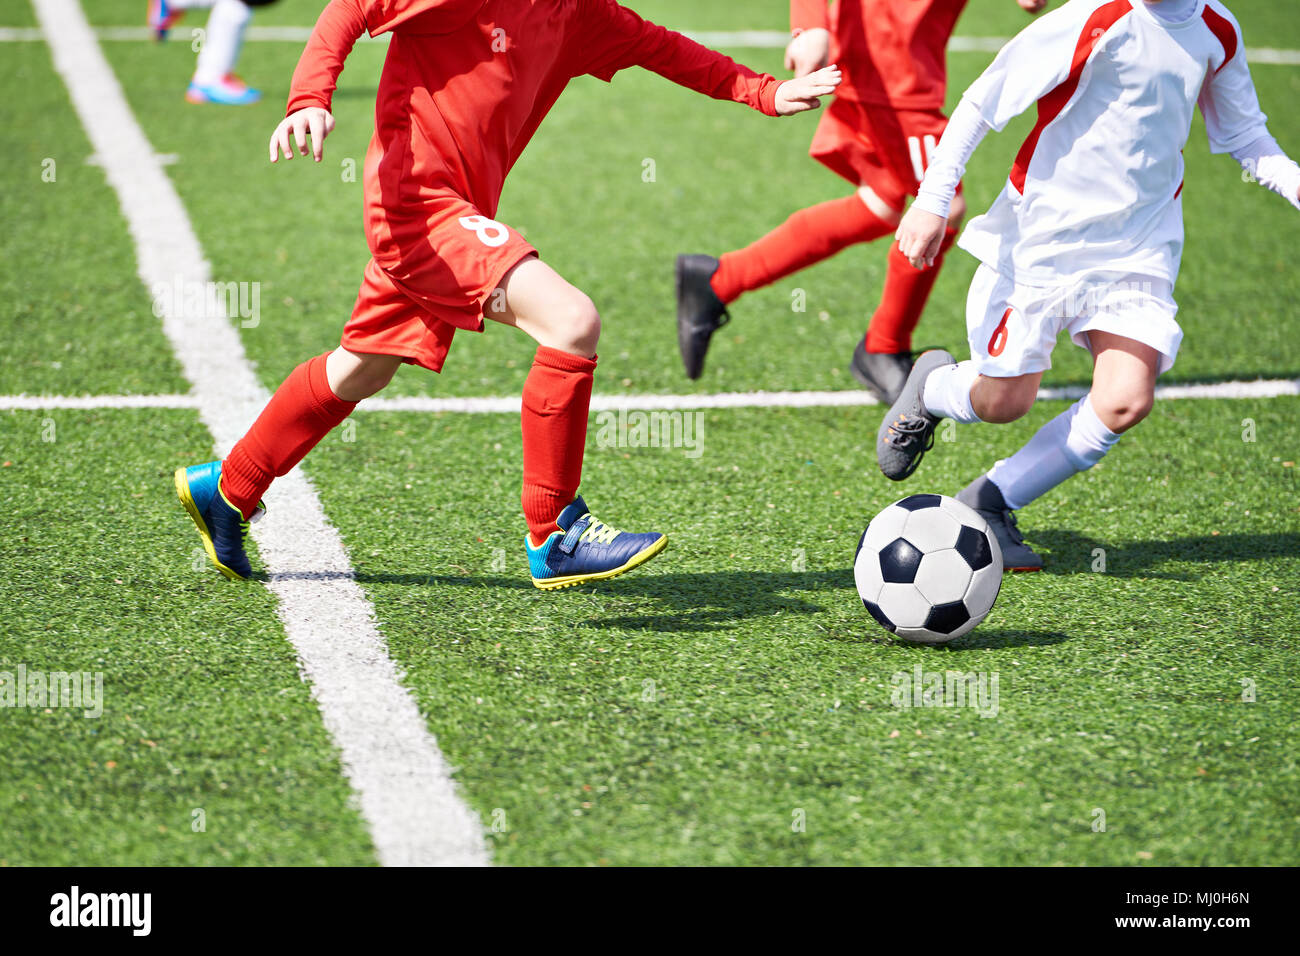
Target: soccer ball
<point>928,568</point>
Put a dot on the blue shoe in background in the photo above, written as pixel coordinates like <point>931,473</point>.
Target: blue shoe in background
<point>231,91</point>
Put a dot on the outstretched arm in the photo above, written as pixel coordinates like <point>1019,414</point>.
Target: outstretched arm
<point>1236,125</point>
<point>615,38</point>
<point>314,81</point>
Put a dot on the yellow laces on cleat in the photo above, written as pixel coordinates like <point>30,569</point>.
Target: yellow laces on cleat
<point>598,532</point>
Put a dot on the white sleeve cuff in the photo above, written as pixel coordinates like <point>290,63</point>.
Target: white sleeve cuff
<point>1266,162</point>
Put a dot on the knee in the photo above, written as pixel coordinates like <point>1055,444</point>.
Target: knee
<point>577,324</point>
<point>1121,410</point>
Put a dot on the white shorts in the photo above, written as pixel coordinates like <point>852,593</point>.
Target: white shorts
<point>1012,328</point>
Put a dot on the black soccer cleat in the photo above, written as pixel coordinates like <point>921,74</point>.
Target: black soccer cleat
<point>986,498</point>
<point>883,374</point>
<point>700,312</point>
<point>907,431</point>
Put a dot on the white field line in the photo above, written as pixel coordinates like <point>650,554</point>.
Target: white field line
<point>403,783</point>
<point>1260,388</point>
<point>735,39</point>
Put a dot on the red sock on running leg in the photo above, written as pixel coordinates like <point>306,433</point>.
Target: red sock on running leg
<point>302,411</point>
<point>902,302</point>
<point>557,395</point>
<point>808,236</point>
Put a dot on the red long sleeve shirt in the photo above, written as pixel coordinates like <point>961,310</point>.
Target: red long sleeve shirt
<point>892,52</point>
<point>467,82</point>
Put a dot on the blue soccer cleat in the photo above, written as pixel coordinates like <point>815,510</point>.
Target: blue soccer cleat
<point>221,526</point>
<point>586,549</point>
<point>162,17</point>
<point>231,91</point>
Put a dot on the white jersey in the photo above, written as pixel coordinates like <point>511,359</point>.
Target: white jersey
<point>1097,185</point>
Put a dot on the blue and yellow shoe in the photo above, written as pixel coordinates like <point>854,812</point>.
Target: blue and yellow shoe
<point>586,549</point>
<point>221,526</point>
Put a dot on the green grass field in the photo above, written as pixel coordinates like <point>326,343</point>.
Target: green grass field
<point>728,704</point>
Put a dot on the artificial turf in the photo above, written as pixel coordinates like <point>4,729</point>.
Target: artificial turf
<point>684,713</point>
<point>203,705</point>
<point>724,175</point>
<point>729,703</point>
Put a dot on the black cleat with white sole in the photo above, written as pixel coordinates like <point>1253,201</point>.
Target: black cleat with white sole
<point>700,312</point>
<point>883,374</point>
<point>907,432</point>
<point>986,498</point>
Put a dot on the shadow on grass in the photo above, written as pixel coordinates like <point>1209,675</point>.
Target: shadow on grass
<point>701,602</point>
<point>1075,553</point>
<point>983,639</point>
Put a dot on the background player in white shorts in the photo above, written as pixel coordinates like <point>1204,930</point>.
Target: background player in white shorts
<point>1086,236</point>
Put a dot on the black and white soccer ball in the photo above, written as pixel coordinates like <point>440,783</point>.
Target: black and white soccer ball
<point>928,568</point>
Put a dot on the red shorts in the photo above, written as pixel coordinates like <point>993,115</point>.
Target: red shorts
<point>877,146</point>
<point>412,306</point>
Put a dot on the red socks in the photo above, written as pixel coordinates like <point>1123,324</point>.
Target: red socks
<point>907,289</point>
<point>808,236</point>
<point>557,394</point>
<point>302,411</point>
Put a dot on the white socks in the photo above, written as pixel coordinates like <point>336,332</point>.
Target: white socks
<point>1072,442</point>
<point>947,392</point>
<point>225,35</point>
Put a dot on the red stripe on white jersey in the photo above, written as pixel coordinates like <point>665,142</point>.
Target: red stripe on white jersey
<point>1054,103</point>
<point>1227,35</point>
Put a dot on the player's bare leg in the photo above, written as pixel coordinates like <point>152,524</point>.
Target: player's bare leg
<point>353,376</point>
<point>1124,374</point>
<point>566,544</point>
<point>554,313</point>
<point>706,286</point>
<point>1000,401</point>
<point>1122,393</point>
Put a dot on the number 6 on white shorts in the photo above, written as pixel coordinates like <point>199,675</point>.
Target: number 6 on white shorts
<point>490,232</point>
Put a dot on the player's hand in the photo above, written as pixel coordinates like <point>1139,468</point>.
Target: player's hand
<point>314,120</point>
<point>808,52</point>
<point>801,94</point>
<point>1032,6</point>
<point>920,235</point>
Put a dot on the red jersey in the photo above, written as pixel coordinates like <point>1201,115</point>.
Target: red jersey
<point>892,52</point>
<point>466,84</point>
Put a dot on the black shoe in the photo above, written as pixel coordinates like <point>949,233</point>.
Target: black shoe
<point>883,374</point>
<point>984,496</point>
<point>700,312</point>
<point>907,431</point>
